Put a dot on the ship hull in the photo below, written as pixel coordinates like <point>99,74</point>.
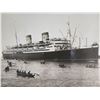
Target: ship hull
<point>75,54</point>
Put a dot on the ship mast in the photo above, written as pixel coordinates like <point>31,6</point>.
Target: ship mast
<point>16,38</point>
<point>74,36</point>
<point>71,37</point>
<point>86,42</point>
<point>69,33</point>
<point>79,42</point>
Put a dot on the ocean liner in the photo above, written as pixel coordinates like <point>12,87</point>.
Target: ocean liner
<point>56,48</point>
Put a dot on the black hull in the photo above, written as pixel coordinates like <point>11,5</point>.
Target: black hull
<point>76,54</point>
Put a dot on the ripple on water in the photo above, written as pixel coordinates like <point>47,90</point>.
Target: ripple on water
<point>51,74</point>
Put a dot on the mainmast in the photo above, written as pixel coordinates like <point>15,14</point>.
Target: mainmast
<point>69,34</point>
<point>79,42</point>
<point>74,36</point>
<point>86,42</point>
<point>16,38</point>
<point>71,37</point>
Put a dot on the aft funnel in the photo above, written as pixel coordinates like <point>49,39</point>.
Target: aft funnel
<point>28,39</point>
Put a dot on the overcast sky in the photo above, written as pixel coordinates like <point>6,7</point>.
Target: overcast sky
<point>27,23</point>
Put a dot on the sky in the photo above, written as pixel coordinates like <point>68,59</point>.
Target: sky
<point>86,24</point>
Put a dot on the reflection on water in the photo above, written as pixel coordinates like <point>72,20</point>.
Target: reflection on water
<point>51,74</point>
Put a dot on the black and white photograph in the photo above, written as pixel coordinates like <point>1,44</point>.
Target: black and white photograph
<point>50,50</point>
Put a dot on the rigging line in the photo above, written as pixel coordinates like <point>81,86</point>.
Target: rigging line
<point>74,36</point>
<point>62,34</point>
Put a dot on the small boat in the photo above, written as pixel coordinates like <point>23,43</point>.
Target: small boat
<point>24,74</point>
<point>6,69</point>
<point>91,66</point>
<point>43,62</point>
<point>62,65</point>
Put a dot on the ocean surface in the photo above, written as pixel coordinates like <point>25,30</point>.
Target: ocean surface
<point>74,74</point>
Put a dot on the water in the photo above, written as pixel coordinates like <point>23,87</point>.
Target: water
<point>51,74</point>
